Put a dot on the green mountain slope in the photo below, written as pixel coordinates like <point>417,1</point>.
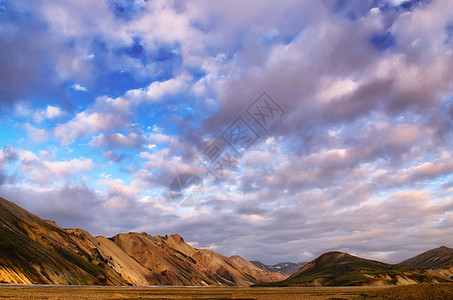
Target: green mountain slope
<point>438,262</point>
<point>342,269</point>
<point>436,258</point>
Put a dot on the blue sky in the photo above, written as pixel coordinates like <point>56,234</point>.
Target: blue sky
<point>103,103</point>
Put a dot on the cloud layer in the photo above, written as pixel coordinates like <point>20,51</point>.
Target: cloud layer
<point>104,102</point>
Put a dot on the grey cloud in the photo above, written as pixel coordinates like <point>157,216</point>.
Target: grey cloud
<point>76,205</point>
<point>302,232</point>
<point>2,178</point>
<point>327,183</point>
<point>380,143</point>
<point>70,205</point>
<point>117,140</point>
<point>29,57</point>
<point>344,52</point>
<point>111,155</point>
<point>8,154</point>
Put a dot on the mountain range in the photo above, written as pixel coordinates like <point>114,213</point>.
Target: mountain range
<point>33,250</point>
<point>342,269</point>
<point>36,251</point>
<point>286,268</point>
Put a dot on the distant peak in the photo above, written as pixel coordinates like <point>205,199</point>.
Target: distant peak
<point>331,256</point>
<point>335,254</point>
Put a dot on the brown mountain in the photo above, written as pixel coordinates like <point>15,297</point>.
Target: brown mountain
<point>342,269</point>
<point>172,261</point>
<point>36,251</point>
<point>256,272</point>
<point>438,262</point>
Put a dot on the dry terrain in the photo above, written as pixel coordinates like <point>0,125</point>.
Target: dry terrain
<point>421,291</point>
<point>96,292</point>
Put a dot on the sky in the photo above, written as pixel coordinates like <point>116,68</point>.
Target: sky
<point>312,126</point>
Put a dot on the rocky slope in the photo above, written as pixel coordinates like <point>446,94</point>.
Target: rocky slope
<point>342,269</point>
<point>172,261</point>
<point>36,251</point>
<point>250,268</point>
<point>438,262</point>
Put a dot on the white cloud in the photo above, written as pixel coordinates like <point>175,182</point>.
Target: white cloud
<point>332,88</point>
<point>53,112</point>
<point>108,113</point>
<point>360,123</point>
<point>118,140</point>
<point>157,90</point>
<point>211,247</point>
<point>21,109</point>
<point>78,88</point>
<point>83,125</point>
<point>254,218</point>
<point>104,115</point>
<point>67,168</point>
<point>27,157</point>
<point>117,186</point>
<point>46,172</point>
<point>36,134</point>
<point>397,2</point>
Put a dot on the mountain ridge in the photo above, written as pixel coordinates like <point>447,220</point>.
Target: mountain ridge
<point>438,262</point>
<point>434,258</point>
<point>33,250</point>
<point>286,268</point>
<point>342,269</point>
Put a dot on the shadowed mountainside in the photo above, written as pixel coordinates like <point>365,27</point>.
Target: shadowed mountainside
<point>36,251</point>
<point>342,269</point>
<point>438,262</point>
